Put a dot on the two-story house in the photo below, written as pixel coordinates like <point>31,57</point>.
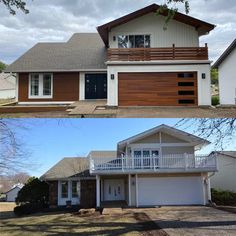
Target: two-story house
<point>131,61</point>
<point>156,167</point>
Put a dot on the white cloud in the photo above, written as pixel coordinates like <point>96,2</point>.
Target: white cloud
<point>57,20</point>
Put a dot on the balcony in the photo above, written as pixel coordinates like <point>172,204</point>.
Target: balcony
<point>176,163</point>
<point>158,54</point>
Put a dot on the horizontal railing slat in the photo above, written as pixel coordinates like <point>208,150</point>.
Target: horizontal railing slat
<point>150,54</point>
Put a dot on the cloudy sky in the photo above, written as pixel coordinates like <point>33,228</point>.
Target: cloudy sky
<point>57,20</point>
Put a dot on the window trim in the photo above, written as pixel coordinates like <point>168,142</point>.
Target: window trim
<point>40,96</point>
<point>61,195</point>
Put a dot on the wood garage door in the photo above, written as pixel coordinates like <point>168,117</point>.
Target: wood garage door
<point>158,89</point>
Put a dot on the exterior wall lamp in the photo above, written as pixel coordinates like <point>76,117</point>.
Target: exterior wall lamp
<point>112,76</point>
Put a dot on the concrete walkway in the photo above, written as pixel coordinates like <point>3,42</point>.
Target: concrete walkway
<point>189,221</point>
<point>90,108</point>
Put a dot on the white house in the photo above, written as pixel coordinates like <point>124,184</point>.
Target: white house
<point>156,167</point>
<point>11,195</point>
<point>131,61</point>
<point>225,178</point>
<point>227,78</point>
<point>7,86</point>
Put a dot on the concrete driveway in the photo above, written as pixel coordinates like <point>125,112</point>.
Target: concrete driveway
<point>201,221</point>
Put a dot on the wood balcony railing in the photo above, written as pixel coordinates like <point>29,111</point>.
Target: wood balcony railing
<point>176,162</point>
<point>157,54</point>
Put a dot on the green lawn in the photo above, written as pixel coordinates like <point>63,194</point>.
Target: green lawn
<point>70,224</point>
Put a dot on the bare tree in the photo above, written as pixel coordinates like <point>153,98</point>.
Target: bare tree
<point>221,131</point>
<point>14,156</point>
<point>18,4</point>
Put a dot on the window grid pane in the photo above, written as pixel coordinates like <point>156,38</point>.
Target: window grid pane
<point>64,189</point>
<point>47,90</point>
<point>34,85</point>
<point>75,189</point>
<point>134,41</point>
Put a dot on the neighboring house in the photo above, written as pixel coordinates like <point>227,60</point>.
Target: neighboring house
<point>227,79</point>
<point>131,61</point>
<point>225,178</point>
<point>11,195</point>
<point>7,86</point>
<point>156,167</point>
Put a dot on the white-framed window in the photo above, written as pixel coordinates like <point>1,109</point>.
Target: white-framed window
<point>75,189</point>
<point>64,189</point>
<point>134,41</point>
<point>40,85</point>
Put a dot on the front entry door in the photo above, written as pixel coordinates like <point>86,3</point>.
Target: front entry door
<point>95,86</point>
<point>114,190</point>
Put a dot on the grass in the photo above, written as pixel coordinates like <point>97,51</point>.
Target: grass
<point>70,224</point>
<point>7,206</point>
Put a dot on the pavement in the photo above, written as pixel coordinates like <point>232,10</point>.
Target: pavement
<point>192,220</point>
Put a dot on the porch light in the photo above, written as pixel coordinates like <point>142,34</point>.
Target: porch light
<point>114,38</point>
<point>203,76</point>
<point>112,76</point>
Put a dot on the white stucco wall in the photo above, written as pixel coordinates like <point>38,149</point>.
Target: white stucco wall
<point>12,194</point>
<point>225,178</point>
<point>204,87</point>
<point>180,34</point>
<point>6,94</point>
<point>227,80</point>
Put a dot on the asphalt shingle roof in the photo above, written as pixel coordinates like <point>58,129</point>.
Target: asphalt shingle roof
<point>84,51</point>
<point>68,167</point>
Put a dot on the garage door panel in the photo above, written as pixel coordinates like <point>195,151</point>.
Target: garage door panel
<point>170,191</point>
<point>157,89</point>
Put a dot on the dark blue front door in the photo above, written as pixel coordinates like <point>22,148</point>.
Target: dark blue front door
<point>95,86</point>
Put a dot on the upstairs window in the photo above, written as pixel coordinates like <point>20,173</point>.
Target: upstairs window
<point>40,86</point>
<point>134,41</point>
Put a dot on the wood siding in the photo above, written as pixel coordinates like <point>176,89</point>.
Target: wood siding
<point>156,89</point>
<point>155,54</point>
<point>65,87</point>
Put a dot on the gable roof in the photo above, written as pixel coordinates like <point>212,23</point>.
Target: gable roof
<point>84,51</point>
<point>5,84</point>
<point>225,153</point>
<point>201,26</point>
<point>68,167</point>
<point>19,187</point>
<point>226,53</point>
<point>196,141</point>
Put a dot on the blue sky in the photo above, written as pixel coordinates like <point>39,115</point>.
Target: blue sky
<point>49,140</point>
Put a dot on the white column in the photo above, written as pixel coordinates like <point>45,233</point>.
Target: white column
<point>203,191</point>
<point>129,186</point>
<point>136,177</point>
<point>17,87</point>
<point>209,189</point>
<point>98,190</point>
<point>81,86</point>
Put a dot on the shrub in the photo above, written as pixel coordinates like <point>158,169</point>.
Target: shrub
<point>225,198</point>
<point>27,209</point>
<point>215,100</point>
<point>32,198</point>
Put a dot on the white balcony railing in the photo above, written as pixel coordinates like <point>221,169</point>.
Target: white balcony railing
<point>181,162</point>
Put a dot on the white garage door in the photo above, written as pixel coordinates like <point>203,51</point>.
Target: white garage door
<point>170,191</point>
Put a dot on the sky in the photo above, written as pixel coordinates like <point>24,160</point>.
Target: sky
<point>57,20</point>
<point>50,140</point>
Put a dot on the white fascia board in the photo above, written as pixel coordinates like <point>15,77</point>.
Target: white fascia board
<point>61,70</point>
<point>161,62</point>
<point>45,103</point>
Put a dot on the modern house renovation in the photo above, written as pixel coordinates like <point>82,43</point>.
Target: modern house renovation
<point>131,61</point>
<point>154,168</point>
